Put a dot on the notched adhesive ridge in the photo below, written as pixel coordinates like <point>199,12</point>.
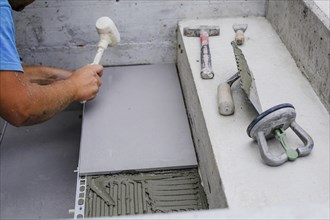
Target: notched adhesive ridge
<point>141,193</point>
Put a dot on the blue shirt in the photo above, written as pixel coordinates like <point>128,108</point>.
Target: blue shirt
<point>9,58</point>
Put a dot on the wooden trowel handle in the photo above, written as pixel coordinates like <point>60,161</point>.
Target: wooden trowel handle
<point>239,37</point>
<point>225,100</point>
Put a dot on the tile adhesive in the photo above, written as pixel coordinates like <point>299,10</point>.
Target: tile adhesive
<point>142,193</point>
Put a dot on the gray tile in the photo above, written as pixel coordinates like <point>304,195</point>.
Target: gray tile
<point>137,122</point>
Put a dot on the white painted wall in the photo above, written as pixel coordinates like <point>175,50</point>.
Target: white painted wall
<point>62,33</point>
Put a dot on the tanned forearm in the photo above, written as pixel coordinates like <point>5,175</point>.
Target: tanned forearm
<point>46,101</point>
<point>25,100</point>
<point>33,103</point>
<point>45,75</point>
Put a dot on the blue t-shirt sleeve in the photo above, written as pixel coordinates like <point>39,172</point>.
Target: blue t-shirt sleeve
<point>9,58</point>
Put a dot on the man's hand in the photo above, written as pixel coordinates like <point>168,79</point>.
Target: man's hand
<point>87,82</point>
<point>26,101</point>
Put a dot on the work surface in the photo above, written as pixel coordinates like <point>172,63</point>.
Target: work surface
<point>36,168</point>
<point>137,122</point>
<point>247,181</point>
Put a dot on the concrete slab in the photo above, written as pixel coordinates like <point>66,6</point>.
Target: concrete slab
<point>137,122</point>
<point>324,5</point>
<point>37,163</point>
<point>247,181</point>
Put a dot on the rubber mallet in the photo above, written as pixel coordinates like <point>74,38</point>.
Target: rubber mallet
<point>109,36</point>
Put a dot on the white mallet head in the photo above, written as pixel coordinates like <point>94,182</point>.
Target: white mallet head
<point>109,35</point>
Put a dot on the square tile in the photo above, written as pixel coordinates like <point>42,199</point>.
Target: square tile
<point>138,121</point>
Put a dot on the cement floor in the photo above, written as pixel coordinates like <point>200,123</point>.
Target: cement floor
<point>37,163</point>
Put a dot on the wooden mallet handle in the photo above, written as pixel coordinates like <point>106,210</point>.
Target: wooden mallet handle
<point>225,100</point>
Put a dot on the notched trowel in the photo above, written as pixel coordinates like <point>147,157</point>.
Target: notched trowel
<point>271,123</point>
<point>225,98</point>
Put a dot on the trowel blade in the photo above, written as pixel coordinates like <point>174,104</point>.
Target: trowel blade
<point>254,98</point>
<point>247,80</point>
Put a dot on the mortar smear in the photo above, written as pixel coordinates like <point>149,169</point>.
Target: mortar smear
<point>142,193</point>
